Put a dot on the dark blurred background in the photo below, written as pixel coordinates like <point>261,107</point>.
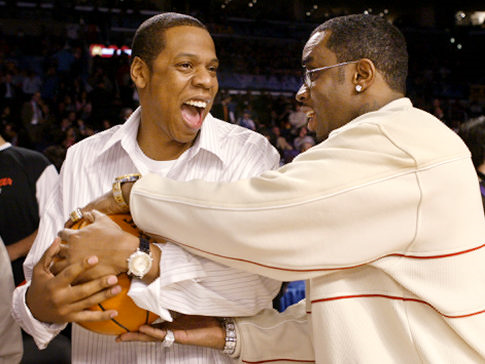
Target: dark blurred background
<point>64,65</point>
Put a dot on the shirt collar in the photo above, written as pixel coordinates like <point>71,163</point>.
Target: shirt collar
<point>129,129</point>
<point>395,105</point>
<point>209,139</point>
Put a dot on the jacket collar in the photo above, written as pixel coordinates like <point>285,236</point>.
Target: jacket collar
<point>395,105</point>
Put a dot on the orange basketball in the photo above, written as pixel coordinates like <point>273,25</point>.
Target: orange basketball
<point>130,316</point>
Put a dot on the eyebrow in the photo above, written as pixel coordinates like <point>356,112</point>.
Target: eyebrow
<point>191,55</point>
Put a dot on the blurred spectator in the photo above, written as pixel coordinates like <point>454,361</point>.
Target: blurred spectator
<point>55,154</point>
<point>9,92</point>
<point>31,84</point>
<point>26,181</point>
<point>303,138</point>
<point>32,117</point>
<point>297,118</point>
<point>64,59</point>
<point>246,122</point>
<point>473,134</point>
<point>125,113</point>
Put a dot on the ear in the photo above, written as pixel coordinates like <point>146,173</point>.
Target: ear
<point>365,74</point>
<point>139,73</point>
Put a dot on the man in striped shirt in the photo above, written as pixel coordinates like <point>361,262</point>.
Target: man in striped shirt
<point>172,134</point>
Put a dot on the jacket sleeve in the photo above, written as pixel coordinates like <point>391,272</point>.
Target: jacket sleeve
<point>271,336</point>
<point>334,207</point>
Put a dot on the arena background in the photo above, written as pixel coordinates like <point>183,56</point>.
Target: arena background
<point>76,54</point>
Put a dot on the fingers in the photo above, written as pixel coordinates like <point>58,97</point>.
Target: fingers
<point>88,315</point>
<point>49,254</point>
<point>66,234</point>
<point>72,271</point>
<point>58,266</point>
<point>89,216</point>
<point>95,291</point>
<point>135,336</point>
<point>157,334</point>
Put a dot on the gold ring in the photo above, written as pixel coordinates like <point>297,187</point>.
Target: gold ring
<point>76,215</point>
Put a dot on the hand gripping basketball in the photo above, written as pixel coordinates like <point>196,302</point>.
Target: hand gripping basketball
<point>130,316</point>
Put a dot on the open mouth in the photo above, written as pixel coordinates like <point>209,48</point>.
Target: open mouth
<point>193,112</point>
<point>310,116</point>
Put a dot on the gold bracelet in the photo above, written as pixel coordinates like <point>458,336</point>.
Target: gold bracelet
<point>117,193</point>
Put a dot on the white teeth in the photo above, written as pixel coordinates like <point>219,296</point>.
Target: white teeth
<point>310,113</point>
<point>200,104</point>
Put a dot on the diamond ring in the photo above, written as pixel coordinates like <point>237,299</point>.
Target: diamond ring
<point>76,215</point>
<point>169,339</point>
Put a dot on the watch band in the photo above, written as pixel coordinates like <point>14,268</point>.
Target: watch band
<point>144,244</point>
<point>117,193</point>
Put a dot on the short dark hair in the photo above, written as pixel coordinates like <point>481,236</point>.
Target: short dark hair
<point>149,41</point>
<point>369,36</point>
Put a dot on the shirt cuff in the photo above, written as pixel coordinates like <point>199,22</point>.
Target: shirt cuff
<point>175,265</point>
<point>42,332</point>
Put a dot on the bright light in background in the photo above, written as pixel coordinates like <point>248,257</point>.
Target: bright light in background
<point>478,17</point>
<point>470,18</point>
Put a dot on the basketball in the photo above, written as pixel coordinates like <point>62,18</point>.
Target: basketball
<point>130,316</point>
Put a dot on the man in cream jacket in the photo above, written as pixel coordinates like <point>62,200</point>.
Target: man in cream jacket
<point>383,219</point>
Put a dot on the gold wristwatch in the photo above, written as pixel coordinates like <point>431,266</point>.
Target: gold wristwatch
<point>117,194</point>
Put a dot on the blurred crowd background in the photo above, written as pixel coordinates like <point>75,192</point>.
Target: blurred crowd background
<point>64,65</point>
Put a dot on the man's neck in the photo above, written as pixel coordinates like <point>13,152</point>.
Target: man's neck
<point>2,141</point>
<point>157,146</point>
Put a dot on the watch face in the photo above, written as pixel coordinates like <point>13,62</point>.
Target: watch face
<point>140,263</point>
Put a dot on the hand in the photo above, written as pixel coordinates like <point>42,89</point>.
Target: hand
<point>103,238</point>
<point>188,330</point>
<point>53,299</point>
<point>105,203</point>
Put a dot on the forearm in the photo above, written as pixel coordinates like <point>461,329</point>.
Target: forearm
<point>194,285</point>
<point>285,224</point>
<point>21,248</point>
<point>271,335</point>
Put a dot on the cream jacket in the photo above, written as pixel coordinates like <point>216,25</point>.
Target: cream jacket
<point>384,219</point>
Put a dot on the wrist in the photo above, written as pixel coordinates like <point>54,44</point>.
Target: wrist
<point>126,191</point>
<point>129,245</point>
